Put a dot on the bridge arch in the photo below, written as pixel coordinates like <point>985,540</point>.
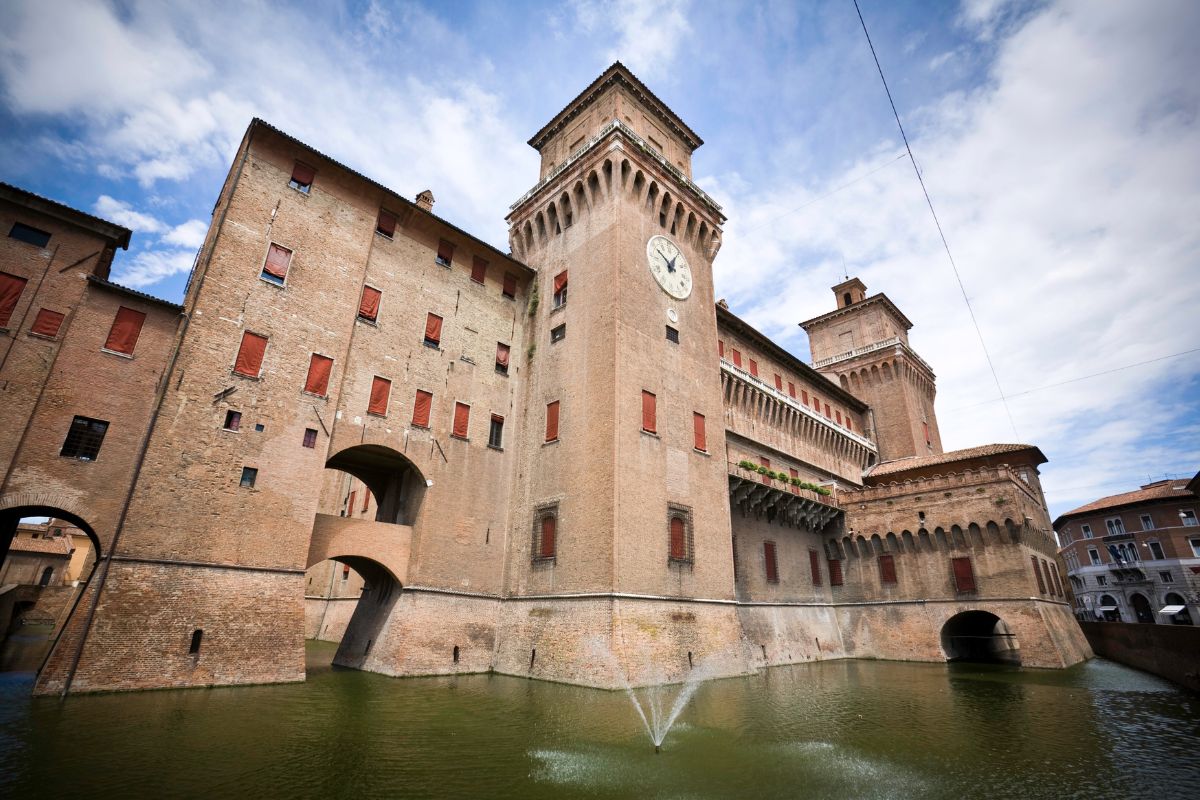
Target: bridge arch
<point>979,636</point>
<point>397,484</point>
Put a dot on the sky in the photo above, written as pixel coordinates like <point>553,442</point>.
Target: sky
<point>1059,142</point>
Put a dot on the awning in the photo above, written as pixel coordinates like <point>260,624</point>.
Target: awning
<point>1107,608</point>
<point>1170,609</point>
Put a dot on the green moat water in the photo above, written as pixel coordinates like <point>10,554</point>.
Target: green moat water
<point>836,729</point>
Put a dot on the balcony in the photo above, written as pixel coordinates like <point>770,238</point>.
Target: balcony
<point>793,506</point>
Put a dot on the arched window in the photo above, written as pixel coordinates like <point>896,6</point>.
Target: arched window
<point>679,535</point>
<point>47,576</point>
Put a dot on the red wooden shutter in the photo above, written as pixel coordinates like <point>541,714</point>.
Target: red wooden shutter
<point>1046,576</point>
<point>479,270</point>
<point>1037,573</point>
<point>445,252</point>
<point>368,304</point>
<point>678,539</point>
<point>792,473</point>
<point>317,381</point>
<point>551,421</point>
<point>560,281</point>
<point>11,287</point>
<point>925,425</point>
<point>887,569</point>
<point>462,418</point>
<point>1057,583</point>
<point>127,327</point>
<point>366,498</point>
<point>791,390</point>
<point>502,355</point>
<point>835,572</point>
<point>510,285</point>
<point>816,404</point>
<point>421,409</point>
<point>720,349</point>
<point>549,535</point>
<point>769,558</point>
<point>701,440</point>
<point>737,359</point>
<point>779,381</point>
<point>433,328</point>
<point>814,564</point>
<point>386,224</point>
<point>278,259</point>
<point>649,421</point>
<point>804,396</point>
<point>350,504</point>
<point>381,389</point>
<point>964,575</point>
<point>754,367</point>
<point>838,414</point>
<point>303,174</point>
<point>47,323</point>
<point>249,357</point>
<point>765,462</point>
<point>849,424</point>
<point>827,414</point>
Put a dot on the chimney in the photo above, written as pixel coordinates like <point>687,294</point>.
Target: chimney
<point>425,200</point>
<point>723,304</point>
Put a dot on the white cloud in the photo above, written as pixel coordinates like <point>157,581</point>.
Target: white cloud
<point>123,213</point>
<point>648,33</point>
<point>189,235</point>
<point>151,266</point>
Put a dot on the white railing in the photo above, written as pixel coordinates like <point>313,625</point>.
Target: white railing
<point>871,348</point>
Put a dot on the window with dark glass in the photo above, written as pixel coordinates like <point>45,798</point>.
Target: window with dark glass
<point>557,334</point>
<point>275,268</point>
<point>560,289</point>
<point>310,437</point>
<point>249,476</point>
<point>84,438</point>
<point>233,420</point>
<point>29,234</point>
<point>672,335</point>
<point>445,253</point>
<point>302,177</point>
<point>496,432</point>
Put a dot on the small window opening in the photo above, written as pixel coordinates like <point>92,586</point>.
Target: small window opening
<point>846,299</point>
<point>532,658</point>
<point>690,665</point>
<point>197,637</point>
<point>559,333</point>
<point>455,654</point>
<point>29,234</point>
<point>302,177</point>
<point>496,434</point>
<point>233,420</point>
<point>310,438</point>
<point>249,476</point>
<point>47,576</point>
<point>672,335</point>
<point>84,438</point>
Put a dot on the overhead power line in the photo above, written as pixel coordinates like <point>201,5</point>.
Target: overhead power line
<point>937,223</point>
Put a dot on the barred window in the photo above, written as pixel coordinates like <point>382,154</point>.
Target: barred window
<point>680,540</point>
<point>545,534</point>
<point>84,438</point>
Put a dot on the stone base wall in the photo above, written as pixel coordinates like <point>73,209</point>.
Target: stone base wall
<point>791,634</point>
<point>325,619</point>
<point>1168,651</point>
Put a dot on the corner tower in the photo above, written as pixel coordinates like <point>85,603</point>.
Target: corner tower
<point>626,455</point>
<point>863,345</point>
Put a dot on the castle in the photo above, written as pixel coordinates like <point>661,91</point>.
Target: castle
<point>566,448</point>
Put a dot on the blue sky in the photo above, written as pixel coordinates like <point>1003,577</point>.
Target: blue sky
<point>1059,141</point>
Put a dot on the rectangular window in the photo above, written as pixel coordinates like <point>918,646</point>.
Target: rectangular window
<point>317,382</point>
<point>276,266</point>
<point>677,549</point>
<point>84,438</point>
<point>368,304</point>
<point>771,565</point>
<point>1115,526</point>
<point>672,335</point>
<point>1101,580</point>
<point>1037,573</point>
<point>778,381</point>
<point>1195,543</point>
<point>814,566</point>
<point>720,349</point>
<point>421,409</point>
<point>510,286</point>
<point>737,358</point>
<point>560,290</point>
<point>649,412</point>
<point>310,437</point>
<point>1057,581</point>
<point>887,569</point>
<point>791,390</point>
<point>1094,556</point>
<point>125,330</point>
<point>479,269</point>
<point>849,424</point>
<point>1046,577</point>
<point>793,473</point>
<point>445,253</point>
<point>233,420</point>
<point>559,333</point>
<point>345,572</point>
<point>835,572</point>
<point>386,223</point>
<point>496,433</point>
<point>925,427</point>
<point>827,414</point>
<point>1147,522</point>
<point>765,462</point>
<point>433,330</point>
<point>29,234</point>
<point>1188,517</point>
<point>552,421</point>
<point>502,352</point>
<point>47,323</point>
<point>838,415</point>
<point>381,390</point>
<point>249,476</point>
<point>1086,530</point>
<point>547,536</point>
<point>349,504</point>
<point>1156,551</point>
<point>462,420</point>
<point>699,438</point>
<point>11,287</point>
<point>804,397</point>
<point>754,367</point>
<point>964,574</point>
<point>302,177</point>
<point>1166,577</point>
<point>250,354</point>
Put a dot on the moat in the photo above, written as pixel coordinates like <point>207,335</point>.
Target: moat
<point>834,729</point>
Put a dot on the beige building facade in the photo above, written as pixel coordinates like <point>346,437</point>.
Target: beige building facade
<point>566,461</point>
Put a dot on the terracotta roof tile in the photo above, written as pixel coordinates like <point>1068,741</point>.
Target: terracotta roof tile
<point>915,462</point>
<point>59,545</point>
<point>1159,490</point>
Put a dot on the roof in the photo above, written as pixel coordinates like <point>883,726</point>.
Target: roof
<point>949,457</point>
<point>731,320</point>
<point>125,290</point>
<point>1159,490</point>
<point>109,230</point>
<point>617,73</point>
<point>57,546</point>
<point>260,123</point>
<point>875,298</point>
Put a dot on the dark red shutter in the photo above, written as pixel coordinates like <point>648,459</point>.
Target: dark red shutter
<point>1037,573</point>
<point>249,357</point>
<point>560,281</point>
<point>479,270</point>
<point>366,498</point>
<point>678,539</point>
<point>303,174</point>
<point>278,259</point>
<point>350,504</point>
<point>779,381</point>
<point>720,349</point>
<point>386,224</point>
<point>11,287</point>
<point>433,328</point>
<point>849,424</point>
<point>510,285</point>
<point>765,462</point>
<point>547,543</point>
<point>792,390</point>
<point>793,473</point>
<point>887,569</point>
<point>964,574</point>
<point>1057,583</point>
<point>462,418</point>
<point>814,564</point>
<point>649,415</point>
<point>551,421</point>
<point>421,409</point>
<point>127,327</point>
<point>698,432</point>
<point>445,252</point>
<point>754,367</point>
<point>827,414</point>
<point>317,381</point>
<point>804,396</point>
<point>368,304</point>
<point>47,323</point>
<point>835,572</point>
<point>502,351</point>
<point>381,389</point>
<point>769,558</point>
<point>1046,576</point>
<point>838,415</point>
<point>737,359</point>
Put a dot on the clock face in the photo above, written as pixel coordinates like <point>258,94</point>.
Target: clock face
<point>669,267</point>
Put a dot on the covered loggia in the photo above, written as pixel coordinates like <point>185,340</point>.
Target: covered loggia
<point>979,636</point>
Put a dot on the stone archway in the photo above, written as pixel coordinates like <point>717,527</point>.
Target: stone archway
<point>979,636</point>
<point>1142,611</point>
<point>396,483</point>
<point>381,591</point>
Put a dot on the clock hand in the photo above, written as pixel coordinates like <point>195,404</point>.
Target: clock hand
<point>671,263</point>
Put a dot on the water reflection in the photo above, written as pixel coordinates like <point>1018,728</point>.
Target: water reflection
<point>833,729</point>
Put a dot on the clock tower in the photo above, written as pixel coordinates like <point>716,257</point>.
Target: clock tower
<point>622,514</point>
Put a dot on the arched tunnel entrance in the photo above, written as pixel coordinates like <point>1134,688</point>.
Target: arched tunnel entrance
<point>389,485</point>
<point>380,591</point>
<point>979,636</point>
